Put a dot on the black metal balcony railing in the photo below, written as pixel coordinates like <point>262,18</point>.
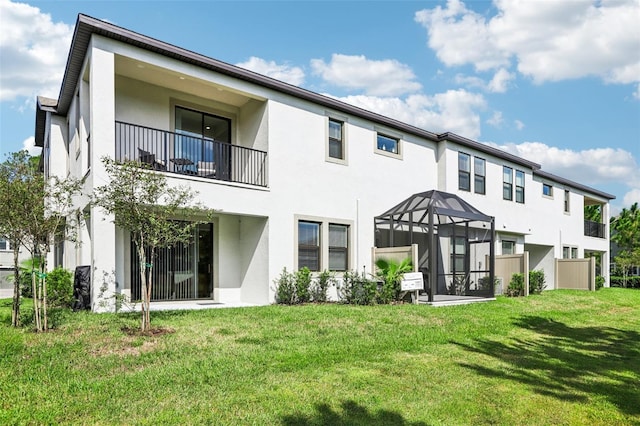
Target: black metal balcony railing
<point>594,229</point>
<point>190,155</point>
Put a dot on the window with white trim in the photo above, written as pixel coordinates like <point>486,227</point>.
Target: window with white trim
<point>309,245</point>
<point>569,252</point>
<point>507,183</point>
<point>338,247</point>
<point>388,144</point>
<point>519,186</point>
<point>323,244</point>
<point>464,171</point>
<point>479,175</point>
<point>508,247</point>
<point>547,190</point>
<point>567,205</point>
<point>336,141</point>
<point>4,244</point>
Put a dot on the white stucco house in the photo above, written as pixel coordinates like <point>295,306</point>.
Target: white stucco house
<point>297,178</point>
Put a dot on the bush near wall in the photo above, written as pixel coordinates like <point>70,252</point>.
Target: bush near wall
<point>618,281</point>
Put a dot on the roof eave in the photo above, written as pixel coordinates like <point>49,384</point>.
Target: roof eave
<point>573,184</point>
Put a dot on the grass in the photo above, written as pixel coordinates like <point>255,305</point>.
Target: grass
<point>564,357</point>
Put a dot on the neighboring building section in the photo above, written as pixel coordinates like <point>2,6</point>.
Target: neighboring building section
<point>296,178</point>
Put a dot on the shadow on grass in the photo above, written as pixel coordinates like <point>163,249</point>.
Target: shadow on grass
<point>569,363</point>
<point>351,413</point>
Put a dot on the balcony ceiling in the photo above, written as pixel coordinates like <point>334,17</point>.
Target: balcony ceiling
<point>164,77</point>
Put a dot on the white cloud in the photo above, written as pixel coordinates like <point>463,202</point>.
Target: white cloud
<point>500,81</point>
<point>29,144</point>
<point>631,197</point>
<point>496,119</point>
<point>549,40</point>
<point>498,84</point>
<point>519,124</point>
<point>453,111</point>
<point>33,50</point>
<point>590,166</point>
<point>376,78</point>
<point>286,73</point>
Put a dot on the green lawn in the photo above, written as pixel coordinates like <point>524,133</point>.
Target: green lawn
<point>565,357</point>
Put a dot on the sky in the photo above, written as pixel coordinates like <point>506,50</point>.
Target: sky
<point>555,82</point>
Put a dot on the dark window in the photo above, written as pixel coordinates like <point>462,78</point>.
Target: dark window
<point>464,172</point>
<point>457,252</point>
<point>309,245</point>
<point>566,201</point>
<point>338,247</point>
<point>388,144</point>
<point>4,244</point>
<point>479,175</point>
<point>336,143</point>
<point>519,186</point>
<point>547,190</point>
<point>194,149</point>
<point>507,183</point>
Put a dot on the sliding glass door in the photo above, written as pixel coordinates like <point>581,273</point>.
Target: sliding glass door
<point>181,272</point>
<point>203,143</point>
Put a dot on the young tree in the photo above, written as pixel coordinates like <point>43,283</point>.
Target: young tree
<point>20,188</point>
<point>142,202</point>
<point>54,217</point>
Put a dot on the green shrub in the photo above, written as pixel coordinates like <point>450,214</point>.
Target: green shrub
<point>516,285</point>
<point>619,281</point>
<point>60,288</point>
<point>302,280</point>
<point>356,289</point>
<point>320,286</point>
<point>285,288</point>
<point>536,281</point>
<point>599,282</point>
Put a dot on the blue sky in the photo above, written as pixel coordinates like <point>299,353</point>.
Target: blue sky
<point>556,82</point>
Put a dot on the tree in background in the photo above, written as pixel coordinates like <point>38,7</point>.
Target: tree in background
<point>625,232</point>
<point>625,228</point>
<point>142,202</point>
<point>20,186</point>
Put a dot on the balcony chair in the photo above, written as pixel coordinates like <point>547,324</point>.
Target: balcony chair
<point>148,158</point>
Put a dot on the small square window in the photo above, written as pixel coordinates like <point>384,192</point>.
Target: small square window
<point>508,247</point>
<point>547,190</point>
<point>388,144</point>
<point>4,244</point>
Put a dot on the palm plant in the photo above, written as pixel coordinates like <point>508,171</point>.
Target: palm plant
<point>391,272</point>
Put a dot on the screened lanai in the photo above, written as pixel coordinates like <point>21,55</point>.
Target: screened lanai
<point>455,243</point>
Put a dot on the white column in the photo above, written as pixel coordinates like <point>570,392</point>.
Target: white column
<point>103,241</point>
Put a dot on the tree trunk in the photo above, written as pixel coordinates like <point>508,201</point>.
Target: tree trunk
<point>143,283</point>
<point>43,268</point>
<point>15,311</point>
<point>36,309</point>
<point>149,287</point>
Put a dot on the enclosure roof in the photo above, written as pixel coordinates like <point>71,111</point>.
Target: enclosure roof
<point>441,203</point>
